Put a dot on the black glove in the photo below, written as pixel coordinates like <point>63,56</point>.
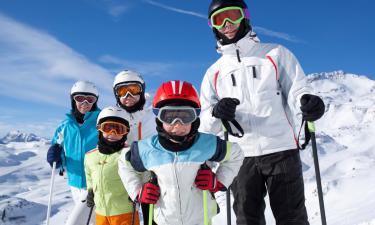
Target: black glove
<point>90,198</point>
<point>226,108</point>
<point>54,155</point>
<point>312,107</point>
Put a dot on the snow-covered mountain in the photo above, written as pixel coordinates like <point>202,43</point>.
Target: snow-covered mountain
<point>346,147</point>
<point>18,136</point>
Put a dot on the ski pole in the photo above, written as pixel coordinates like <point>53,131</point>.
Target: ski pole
<point>88,220</point>
<point>153,180</point>
<point>229,219</point>
<point>51,192</point>
<point>311,128</point>
<point>205,199</point>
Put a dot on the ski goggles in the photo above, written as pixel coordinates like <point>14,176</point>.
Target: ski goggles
<point>90,99</point>
<point>131,88</point>
<point>232,14</point>
<point>172,114</point>
<point>113,127</point>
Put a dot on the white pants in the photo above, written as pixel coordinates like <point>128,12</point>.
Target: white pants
<point>80,213</point>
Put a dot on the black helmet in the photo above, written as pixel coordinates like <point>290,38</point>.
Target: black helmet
<point>219,4</point>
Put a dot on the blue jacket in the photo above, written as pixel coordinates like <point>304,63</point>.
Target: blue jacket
<point>76,140</point>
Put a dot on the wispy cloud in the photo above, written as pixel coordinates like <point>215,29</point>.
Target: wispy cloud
<point>175,9</point>
<point>36,65</point>
<point>260,30</point>
<point>276,34</point>
<point>117,10</point>
<point>157,69</point>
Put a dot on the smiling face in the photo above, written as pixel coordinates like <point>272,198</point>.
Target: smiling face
<point>83,107</point>
<point>130,100</point>
<point>177,129</point>
<point>229,30</point>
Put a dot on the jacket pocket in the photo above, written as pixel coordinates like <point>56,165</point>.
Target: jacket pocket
<point>230,86</point>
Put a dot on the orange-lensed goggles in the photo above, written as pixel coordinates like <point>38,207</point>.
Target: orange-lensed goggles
<point>113,127</point>
<point>131,88</point>
<point>90,99</point>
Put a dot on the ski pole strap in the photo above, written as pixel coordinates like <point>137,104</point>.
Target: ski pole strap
<point>233,128</point>
<point>309,127</point>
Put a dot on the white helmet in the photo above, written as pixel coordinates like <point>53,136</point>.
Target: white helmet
<point>113,111</point>
<point>127,76</point>
<point>84,87</point>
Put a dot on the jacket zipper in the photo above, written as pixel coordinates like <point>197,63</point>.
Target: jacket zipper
<point>101,181</point>
<point>178,186</point>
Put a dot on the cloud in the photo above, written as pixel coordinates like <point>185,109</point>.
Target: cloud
<point>258,29</point>
<point>41,128</point>
<point>117,10</point>
<point>155,69</point>
<point>36,65</point>
<point>276,34</point>
<point>176,9</point>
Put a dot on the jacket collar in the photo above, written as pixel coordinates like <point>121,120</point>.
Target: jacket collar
<point>92,115</point>
<point>243,45</point>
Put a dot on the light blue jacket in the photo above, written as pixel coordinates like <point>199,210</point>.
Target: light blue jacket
<point>76,140</point>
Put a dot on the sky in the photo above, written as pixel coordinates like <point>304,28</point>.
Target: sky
<point>45,46</point>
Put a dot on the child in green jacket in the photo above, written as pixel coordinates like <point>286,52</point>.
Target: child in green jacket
<point>105,189</point>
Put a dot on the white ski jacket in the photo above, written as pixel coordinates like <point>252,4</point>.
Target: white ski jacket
<point>180,202</point>
<point>142,125</point>
<point>268,81</point>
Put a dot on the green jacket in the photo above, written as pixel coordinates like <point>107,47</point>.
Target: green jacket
<point>102,176</point>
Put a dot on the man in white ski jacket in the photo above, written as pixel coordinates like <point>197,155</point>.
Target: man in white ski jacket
<point>261,86</point>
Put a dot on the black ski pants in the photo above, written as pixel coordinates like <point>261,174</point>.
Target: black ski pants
<point>279,174</point>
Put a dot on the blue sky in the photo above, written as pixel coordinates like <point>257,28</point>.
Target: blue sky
<point>45,46</point>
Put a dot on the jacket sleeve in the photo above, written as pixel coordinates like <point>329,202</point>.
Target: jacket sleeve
<point>230,157</point>
<point>130,170</point>
<point>208,99</point>
<point>58,138</point>
<point>291,77</point>
<point>88,174</point>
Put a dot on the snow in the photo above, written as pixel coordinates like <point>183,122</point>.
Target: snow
<point>346,147</point>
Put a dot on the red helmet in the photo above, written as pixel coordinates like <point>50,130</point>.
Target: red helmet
<point>176,91</point>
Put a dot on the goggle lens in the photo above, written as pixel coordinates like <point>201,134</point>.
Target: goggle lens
<point>134,89</point>
<point>88,98</point>
<point>171,115</point>
<point>113,127</point>
<point>231,14</point>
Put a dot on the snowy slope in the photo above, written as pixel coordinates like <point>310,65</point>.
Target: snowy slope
<point>346,146</point>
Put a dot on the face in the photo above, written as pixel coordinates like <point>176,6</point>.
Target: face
<point>130,100</point>
<point>177,128</point>
<point>112,137</point>
<point>83,107</point>
<point>229,30</point>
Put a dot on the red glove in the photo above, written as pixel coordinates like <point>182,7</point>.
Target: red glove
<point>149,193</point>
<point>206,180</point>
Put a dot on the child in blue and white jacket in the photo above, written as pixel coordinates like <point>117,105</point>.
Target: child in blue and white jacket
<point>176,156</point>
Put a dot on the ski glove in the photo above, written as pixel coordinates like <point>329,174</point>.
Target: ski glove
<point>54,155</point>
<point>226,108</point>
<point>312,107</point>
<point>149,193</point>
<point>206,180</point>
<point>90,198</point>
